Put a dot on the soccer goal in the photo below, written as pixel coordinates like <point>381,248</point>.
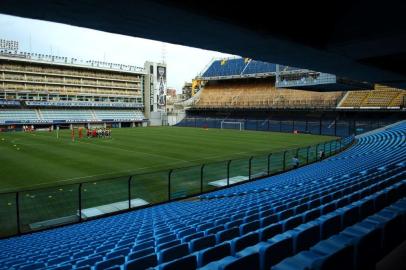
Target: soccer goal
<point>232,125</point>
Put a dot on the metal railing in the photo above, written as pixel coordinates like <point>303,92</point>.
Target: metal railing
<point>37,209</point>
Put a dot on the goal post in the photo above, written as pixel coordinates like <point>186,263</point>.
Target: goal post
<point>232,125</point>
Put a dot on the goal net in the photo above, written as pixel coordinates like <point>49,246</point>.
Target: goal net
<point>232,125</point>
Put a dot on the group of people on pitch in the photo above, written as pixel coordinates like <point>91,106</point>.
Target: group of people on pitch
<point>99,133</point>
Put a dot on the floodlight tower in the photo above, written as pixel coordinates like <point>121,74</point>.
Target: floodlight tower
<point>163,53</point>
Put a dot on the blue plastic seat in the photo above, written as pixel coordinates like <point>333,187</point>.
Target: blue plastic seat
<point>116,253</point>
<point>58,260</point>
<point>392,226</point>
<point>341,258</point>
<point>279,208</point>
<point>188,262</point>
<point>308,235</point>
<point>244,241</point>
<point>105,248</point>
<point>267,212</point>
<point>204,226</point>
<point>237,216</point>
<point>227,234</point>
<point>140,253</point>
<point>115,267</point>
<point>314,203</point>
<point>62,267</point>
<point>234,223</point>
<point>330,225</point>
<point>251,218</point>
<point>202,243</point>
<point>143,245</point>
<point>367,243</point>
<point>270,231</point>
<point>82,254</point>
<point>366,209</point>
<point>342,202</point>
<point>89,262</point>
<point>172,253</point>
<point>327,208</point>
<point>275,250</point>
<point>285,214</point>
<point>166,239</point>
<point>268,220</point>
<point>221,221</point>
<point>249,227</point>
<point>190,237</point>
<point>186,232</point>
<point>142,263</point>
<point>300,209</point>
<point>86,267</point>
<point>214,230</point>
<point>233,263</point>
<point>109,263</point>
<point>292,222</point>
<point>214,253</point>
<point>311,215</point>
<point>350,215</point>
<point>33,266</point>
<point>167,245</point>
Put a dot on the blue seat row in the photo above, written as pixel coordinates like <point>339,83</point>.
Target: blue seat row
<point>237,66</point>
<point>360,246</point>
<point>302,237</point>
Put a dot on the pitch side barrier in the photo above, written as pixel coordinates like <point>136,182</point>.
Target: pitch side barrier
<point>25,211</point>
<point>330,127</point>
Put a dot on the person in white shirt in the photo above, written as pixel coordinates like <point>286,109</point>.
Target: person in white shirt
<point>295,162</point>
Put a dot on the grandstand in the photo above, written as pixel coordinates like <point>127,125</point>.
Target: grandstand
<point>246,83</point>
<point>380,97</point>
<point>272,97</point>
<point>46,90</point>
<point>337,212</point>
<point>262,93</point>
<point>60,116</point>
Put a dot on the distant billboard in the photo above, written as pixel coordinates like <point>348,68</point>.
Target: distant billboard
<point>161,78</point>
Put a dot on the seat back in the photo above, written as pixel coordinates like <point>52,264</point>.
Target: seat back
<point>215,253</point>
<point>172,253</point>
<point>142,263</point>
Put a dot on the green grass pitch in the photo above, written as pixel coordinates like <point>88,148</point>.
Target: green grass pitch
<point>32,161</point>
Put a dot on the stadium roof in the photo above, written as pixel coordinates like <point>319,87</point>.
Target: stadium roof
<point>362,40</point>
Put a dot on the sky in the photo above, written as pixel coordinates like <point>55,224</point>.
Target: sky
<point>183,63</point>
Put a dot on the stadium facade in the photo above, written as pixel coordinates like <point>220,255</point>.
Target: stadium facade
<point>47,90</point>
